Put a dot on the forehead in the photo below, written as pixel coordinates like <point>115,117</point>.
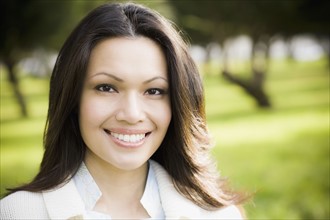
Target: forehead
<point>122,55</point>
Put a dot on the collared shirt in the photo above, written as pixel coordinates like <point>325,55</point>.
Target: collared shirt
<point>90,194</point>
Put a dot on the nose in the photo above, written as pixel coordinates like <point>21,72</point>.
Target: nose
<point>130,109</point>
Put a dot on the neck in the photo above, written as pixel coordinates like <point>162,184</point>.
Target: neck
<point>121,190</point>
<point>116,183</point>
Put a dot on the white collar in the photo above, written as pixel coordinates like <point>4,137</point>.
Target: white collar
<point>90,192</point>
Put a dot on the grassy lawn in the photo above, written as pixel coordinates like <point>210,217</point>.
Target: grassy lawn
<point>21,139</point>
<point>281,154</point>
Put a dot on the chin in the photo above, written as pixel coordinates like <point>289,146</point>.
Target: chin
<point>130,165</point>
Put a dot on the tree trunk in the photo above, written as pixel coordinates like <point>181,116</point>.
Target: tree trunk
<point>14,82</point>
<point>255,86</point>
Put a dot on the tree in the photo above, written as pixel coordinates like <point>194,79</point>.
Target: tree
<point>29,24</point>
<point>214,21</point>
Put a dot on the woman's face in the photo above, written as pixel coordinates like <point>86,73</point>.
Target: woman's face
<point>125,106</point>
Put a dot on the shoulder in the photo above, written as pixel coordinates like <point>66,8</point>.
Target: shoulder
<point>23,204</point>
<point>228,212</point>
<point>176,206</point>
<point>158,168</point>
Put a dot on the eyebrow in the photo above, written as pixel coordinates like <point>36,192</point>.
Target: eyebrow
<point>121,80</point>
<point>109,75</point>
<point>154,78</point>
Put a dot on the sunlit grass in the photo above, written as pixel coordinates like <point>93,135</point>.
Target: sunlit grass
<point>251,129</point>
<point>21,139</point>
<point>290,176</point>
<point>282,153</point>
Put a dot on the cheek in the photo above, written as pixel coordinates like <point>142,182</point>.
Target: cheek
<point>92,112</point>
<point>168,110</point>
<point>167,115</point>
<point>163,115</point>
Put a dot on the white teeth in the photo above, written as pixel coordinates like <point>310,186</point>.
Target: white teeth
<point>129,138</point>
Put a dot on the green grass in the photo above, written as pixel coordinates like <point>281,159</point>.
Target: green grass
<point>21,139</point>
<point>281,154</point>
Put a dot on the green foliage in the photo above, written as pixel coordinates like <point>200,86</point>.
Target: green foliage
<point>217,20</point>
<point>31,24</point>
<point>281,154</point>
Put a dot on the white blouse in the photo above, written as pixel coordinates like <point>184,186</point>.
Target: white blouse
<point>75,199</point>
<point>90,194</point>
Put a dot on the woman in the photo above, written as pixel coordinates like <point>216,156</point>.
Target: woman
<point>126,134</point>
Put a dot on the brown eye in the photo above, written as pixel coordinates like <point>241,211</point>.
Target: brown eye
<point>155,91</point>
<point>105,88</point>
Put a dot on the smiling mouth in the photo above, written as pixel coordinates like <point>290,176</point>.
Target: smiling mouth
<point>129,138</point>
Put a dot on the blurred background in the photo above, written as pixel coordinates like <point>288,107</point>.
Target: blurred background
<point>265,66</point>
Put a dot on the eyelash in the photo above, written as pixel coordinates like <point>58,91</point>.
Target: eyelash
<point>109,88</point>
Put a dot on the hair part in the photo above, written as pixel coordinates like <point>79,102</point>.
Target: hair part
<point>185,150</point>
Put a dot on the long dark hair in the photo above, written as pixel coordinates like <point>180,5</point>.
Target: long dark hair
<point>185,150</point>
